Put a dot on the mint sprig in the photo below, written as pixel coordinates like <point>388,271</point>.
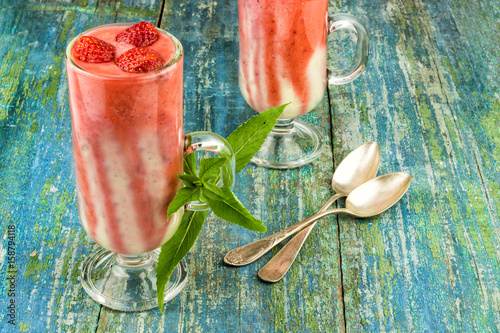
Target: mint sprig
<point>246,140</point>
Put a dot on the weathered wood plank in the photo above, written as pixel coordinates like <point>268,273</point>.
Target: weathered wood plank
<point>431,100</point>
<point>430,97</point>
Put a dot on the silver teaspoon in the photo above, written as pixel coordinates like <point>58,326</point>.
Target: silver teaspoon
<point>369,199</point>
<point>356,168</point>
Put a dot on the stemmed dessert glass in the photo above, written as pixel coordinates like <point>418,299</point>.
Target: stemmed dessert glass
<point>282,59</point>
<point>128,145</point>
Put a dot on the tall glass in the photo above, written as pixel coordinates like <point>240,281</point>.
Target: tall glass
<point>282,59</point>
<point>129,144</point>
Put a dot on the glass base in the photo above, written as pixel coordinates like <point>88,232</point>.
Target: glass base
<point>128,283</point>
<point>291,144</point>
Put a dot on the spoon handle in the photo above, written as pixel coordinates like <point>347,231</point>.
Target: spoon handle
<point>330,201</point>
<point>250,252</point>
<point>279,265</point>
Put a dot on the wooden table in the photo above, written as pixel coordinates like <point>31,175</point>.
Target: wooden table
<point>429,97</point>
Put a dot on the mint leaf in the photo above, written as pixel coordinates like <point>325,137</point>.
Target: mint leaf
<point>227,174</point>
<point>190,180</point>
<point>176,248</point>
<point>248,138</point>
<point>190,164</point>
<point>183,196</point>
<point>210,168</point>
<point>225,205</point>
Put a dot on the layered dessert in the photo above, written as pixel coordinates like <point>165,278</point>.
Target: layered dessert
<point>125,90</point>
<point>282,55</point>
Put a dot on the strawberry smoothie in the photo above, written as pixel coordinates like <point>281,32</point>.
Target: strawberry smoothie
<point>283,54</point>
<point>128,139</point>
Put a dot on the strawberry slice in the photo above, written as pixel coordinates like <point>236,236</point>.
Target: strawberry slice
<point>140,34</point>
<point>139,60</point>
<point>92,49</point>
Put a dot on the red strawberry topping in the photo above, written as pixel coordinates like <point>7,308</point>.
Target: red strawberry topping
<point>92,49</point>
<point>140,34</point>
<point>139,60</point>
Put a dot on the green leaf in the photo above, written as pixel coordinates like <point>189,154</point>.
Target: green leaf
<point>210,168</point>
<point>225,205</point>
<point>248,138</point>
<point>227,174</point>
<point>183,196</point>
<point>176,248</point>
<point>190,180</point>
<point>246,141</point>
<point>190,164</point>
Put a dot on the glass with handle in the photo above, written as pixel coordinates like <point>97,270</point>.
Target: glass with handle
<point>282,59</point>
<point>129,145</point>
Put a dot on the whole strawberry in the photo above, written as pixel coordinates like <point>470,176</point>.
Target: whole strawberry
<point>92,49</point>
<point>140,34</point>
<point>140,60</point>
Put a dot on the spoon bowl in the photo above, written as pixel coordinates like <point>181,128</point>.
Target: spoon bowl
<point>377,195</point>
<point>358,167</point>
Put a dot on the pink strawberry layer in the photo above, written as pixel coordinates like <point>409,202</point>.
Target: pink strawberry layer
<point>283,54</point>
<point>164,45</point>
<point>128,147</point>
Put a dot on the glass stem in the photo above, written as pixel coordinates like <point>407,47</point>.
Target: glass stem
<point>284,125</point>
<point>133,260</point>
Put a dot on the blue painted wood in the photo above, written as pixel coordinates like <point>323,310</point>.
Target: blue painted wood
<point>429,97</point>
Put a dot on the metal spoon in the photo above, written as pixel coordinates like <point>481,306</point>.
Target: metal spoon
<point>369,199</point>
<point>358,167</point>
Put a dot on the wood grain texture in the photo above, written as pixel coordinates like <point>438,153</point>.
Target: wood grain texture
<point>429,97</point>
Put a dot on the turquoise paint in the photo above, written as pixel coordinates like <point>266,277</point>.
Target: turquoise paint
<point>407,270</point>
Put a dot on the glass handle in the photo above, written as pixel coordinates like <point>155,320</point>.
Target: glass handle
<point>358,65</point>
<point>207,141</point>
